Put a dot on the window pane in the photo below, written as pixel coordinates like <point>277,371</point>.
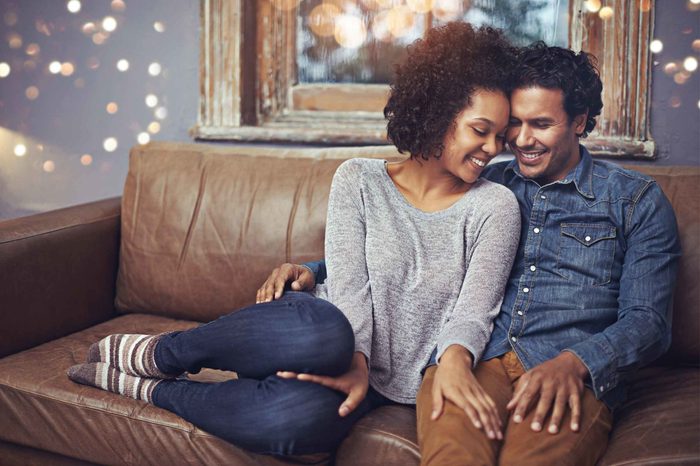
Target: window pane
<point>359,41</point>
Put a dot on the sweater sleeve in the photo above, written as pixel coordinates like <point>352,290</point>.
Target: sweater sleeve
<point>495,242</point>
<point>349,287</point>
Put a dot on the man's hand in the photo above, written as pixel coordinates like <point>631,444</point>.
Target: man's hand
<point>455,382</point>
<point>301,277</point>
<point>557,382</point>
<point>354,383</point>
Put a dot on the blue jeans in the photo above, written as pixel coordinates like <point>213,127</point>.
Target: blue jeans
<point>260,411</point>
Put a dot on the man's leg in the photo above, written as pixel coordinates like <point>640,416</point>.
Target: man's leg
<point>522,446</point>
<point>452,439</point>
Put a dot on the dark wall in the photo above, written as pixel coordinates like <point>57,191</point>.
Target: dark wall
<point>68,119</point>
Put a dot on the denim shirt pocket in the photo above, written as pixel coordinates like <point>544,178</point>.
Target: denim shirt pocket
<point>586,253</point>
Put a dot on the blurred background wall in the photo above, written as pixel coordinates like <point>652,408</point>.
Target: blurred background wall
<point>82,82</point>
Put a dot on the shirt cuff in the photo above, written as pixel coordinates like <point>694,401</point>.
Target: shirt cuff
<point>601,362</point>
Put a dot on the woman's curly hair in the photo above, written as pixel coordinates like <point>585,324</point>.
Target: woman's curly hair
<point>557,68</point>
<point>437,79</point>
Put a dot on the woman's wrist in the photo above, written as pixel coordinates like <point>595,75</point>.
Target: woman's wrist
<point>457,354</point>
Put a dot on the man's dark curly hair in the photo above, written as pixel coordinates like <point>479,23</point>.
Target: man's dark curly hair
<point>437,79</point>
<point>556,68</point>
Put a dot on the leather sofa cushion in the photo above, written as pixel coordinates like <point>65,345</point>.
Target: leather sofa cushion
<point>203,225</point>
<point>42,409</point>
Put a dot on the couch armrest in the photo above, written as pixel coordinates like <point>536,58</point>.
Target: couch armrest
<point>57,273</point>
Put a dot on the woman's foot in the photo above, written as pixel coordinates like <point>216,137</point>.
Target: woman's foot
<point>130,354</point>
<point>102,375</point>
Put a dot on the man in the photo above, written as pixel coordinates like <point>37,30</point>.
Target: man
<point>588,298</point>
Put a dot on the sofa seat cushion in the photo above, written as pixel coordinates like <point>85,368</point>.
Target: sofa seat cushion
<point>658,424</point>
<point>41,408</point>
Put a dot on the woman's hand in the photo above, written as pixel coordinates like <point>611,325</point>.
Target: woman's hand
<point>354,383</point>
<point>454,381</point>
<point>301,278</point>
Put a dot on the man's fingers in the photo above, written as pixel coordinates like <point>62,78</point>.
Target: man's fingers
<point>287,374</point>
<point>543,406</point>
<point>519,390</point>
<point>438,401</point>
<point>575,405</point>
<point>351,402</point>
<point>557,412</point>
<point>329,382</point>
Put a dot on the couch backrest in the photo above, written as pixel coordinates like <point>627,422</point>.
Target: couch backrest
<point>203,226</point>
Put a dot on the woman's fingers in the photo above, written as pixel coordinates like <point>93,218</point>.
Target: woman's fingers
<point>438,402</point>
<point>287,374</point>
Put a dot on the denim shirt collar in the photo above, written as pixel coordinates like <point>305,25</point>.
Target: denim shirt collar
<point>581,175</point>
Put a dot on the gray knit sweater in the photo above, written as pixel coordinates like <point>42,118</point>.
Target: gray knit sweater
<point>409,280</point>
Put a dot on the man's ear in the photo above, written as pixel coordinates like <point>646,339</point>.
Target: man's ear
<point>580,123</point>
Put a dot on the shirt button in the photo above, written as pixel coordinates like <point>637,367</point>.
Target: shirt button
<point>588,238</point>
<point>526,290</point>
<point>602,389</point>
<point>520,313</point>
<point>533,268</point>
<point>513,338</point>
<point>536,230</point>
<point>543,197</point>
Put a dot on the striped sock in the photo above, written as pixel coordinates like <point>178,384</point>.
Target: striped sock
<point>131,354</point>
<point>101,375</point>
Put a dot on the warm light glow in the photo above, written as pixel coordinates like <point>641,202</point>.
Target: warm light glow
<point>86,159</point>
<point>49,166</point>
<point>420,6</point>
<point>606,13</point>
<point>32,92</point>
<point>670,68</point>
<point>154,69</point>
<point>109,24</point>
<point>112,108</point>
<point>110,144</point>
<point>656,46</point>
<point>400,20</point>
<point>447,10</point>
<point>55,67</point>
<point>14,40</point>
<point>99,38</point>
<point>592,5</point>
<point>143,138</point>
<point>88,28</point>
<point>118,5</point>
<point>5,70</point>
<point>674,102</point>
<point>123,65</point>
<point>696,45</point>
<point>67,69</point>
<point>32,49</point>
<point>322,19</point>
<point>285,5</point>
<point>380,27</point>
<point>73,6</point>
<point>159,26</point>
<point>161,113</point>
<point>153,127</point>
<point>20,150</point>
<point>690,64</point>
<point>681,77</point>
<point>151,100</point>
<point>695,2</point>
<point>350,31</point>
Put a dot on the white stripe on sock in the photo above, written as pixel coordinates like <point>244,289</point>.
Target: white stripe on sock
<point>104,377</point>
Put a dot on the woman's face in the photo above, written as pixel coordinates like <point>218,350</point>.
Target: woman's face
<point>478,135</point>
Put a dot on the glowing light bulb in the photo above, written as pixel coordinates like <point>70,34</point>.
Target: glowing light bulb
<point>159,26</point>
<point>322,19</point>
<point>447,10</point>
<point>656,46</point>
<point>14,40</point>
<point>88,28</point>
<point>118,5</point>
<point>154,69</point>
<point>32,92</point>
<point>592,5</point>
<point>143,138</point>
<point>5,70</point>
<point>67,69</point>
<point>109,24</point>
<point>110,144</point>
<point>20,150</point>
<point>151,100</point>
<point>350,31</point>
<point>33,49</point>
<point>55,67</point>
<point>690,64</point>
<point>153,127</point>
<point>73,6</point>
<point>400,20</point>
<point>161,113</point>
<point>606,13</point>
<point>86,159</point>
<point>112,108</point>
<point>49,166</point>
<point>123,65</point>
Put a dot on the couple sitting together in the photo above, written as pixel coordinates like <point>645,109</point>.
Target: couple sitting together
<point>507,302</point>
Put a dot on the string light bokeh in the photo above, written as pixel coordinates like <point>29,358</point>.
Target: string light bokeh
<point>74,78</point>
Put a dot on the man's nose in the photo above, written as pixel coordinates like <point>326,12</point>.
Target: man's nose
<point>524,138</point>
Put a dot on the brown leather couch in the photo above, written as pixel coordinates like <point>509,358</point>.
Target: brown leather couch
<point>196,232</point>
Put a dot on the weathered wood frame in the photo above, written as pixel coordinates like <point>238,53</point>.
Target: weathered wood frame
<point>248,89</point>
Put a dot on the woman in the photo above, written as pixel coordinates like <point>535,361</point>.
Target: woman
<point>418,256</point>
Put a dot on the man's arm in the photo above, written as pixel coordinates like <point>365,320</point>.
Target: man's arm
<point>640,334</point>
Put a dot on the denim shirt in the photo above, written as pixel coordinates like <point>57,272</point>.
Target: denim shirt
<point>594,272</point>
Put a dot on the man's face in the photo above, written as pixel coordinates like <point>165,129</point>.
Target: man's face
<point>541,136</point>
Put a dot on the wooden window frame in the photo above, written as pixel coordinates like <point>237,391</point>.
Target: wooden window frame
<point>248,89</point>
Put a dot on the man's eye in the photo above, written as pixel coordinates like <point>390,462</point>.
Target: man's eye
<point>501,137</point>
